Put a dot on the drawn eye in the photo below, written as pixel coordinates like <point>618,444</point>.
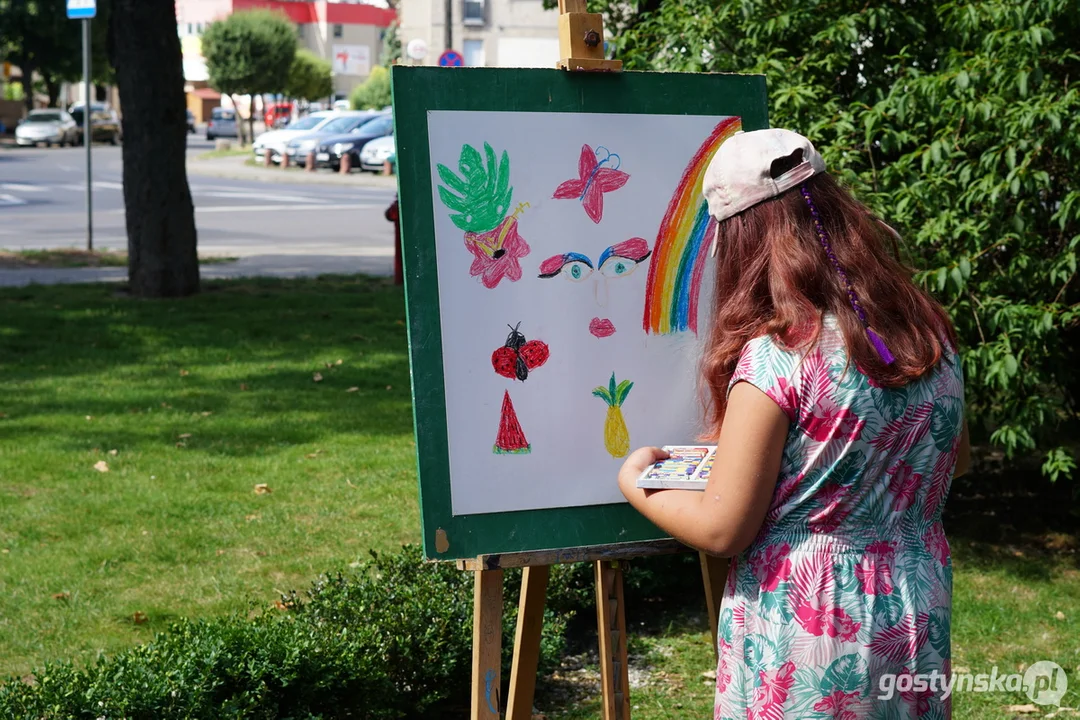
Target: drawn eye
<point>618,266</point>
<point>576,270</point>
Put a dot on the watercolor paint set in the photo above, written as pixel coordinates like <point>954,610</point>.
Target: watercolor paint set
<point>687,468</point>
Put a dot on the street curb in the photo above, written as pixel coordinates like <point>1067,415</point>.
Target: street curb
<point>226,169</point>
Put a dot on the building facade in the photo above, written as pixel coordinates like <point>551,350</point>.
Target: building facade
<point>487,33</point>
<point>348,35</point>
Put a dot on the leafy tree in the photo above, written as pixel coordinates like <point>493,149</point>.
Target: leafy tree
<point>391,44</point>
<point>309,77</point>
<point>250,53</point>
<point>38,37</point>
<point>145,50</point>
<point>374,92</point>
<point>952,120</point>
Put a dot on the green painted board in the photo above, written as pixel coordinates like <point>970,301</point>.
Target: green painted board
<point>419,92</point>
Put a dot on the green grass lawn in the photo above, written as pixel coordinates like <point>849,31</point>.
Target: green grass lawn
<point>301,386</point>
<point>191,404</point>
<point>75,258</point>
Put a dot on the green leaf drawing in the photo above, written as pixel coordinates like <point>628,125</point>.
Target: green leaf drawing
<point>622,390</point>
<point>602,393</point>
<point>478,198</point>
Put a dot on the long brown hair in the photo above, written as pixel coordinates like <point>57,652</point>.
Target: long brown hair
<point>774,278</point>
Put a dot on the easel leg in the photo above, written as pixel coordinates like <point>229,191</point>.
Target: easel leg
<point>714,572</point>
<point>487,644</point>
<point>611,630</point>
<point>530,623</point>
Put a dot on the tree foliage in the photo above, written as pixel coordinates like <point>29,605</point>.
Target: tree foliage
<point>391,44</point>
<point>38,37</point>
<point>250,53</point>
<point>373,93</point>
<point>952,120</point>
<point>309,77</point>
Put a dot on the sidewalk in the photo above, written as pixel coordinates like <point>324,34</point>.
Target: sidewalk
<point>376,261</point>
<point>236,168</point>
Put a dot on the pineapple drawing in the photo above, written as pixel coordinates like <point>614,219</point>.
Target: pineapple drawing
<point>479,199</point>
<point>616,436</point>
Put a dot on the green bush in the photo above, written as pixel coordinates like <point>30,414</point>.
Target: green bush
<point>389,639</point>
<point>373,93</point>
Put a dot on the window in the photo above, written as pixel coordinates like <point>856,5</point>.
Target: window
<point>190,31</point>
<point>339,30</point>
<point>472,12</point>
<point>300,31</point>
<point>473,51</point>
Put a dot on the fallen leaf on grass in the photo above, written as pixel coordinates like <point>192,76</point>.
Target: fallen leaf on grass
<point>312,456</point>
<point>220,552</point>
<point>243,386</point>
<point>206,413</point>
<point>280,605</point>
<point>139,618</point>
<point>1059,615</point>
<point>101,466</point>
<point>89,417</point>
<point>338,361</point>
<point>389,387</point>
<point>166,405</point>
<point>262,489</point>
<point>3,415</point>
<point>1029,708</point>
<point>260,553</point>
<point>709,674</point>
<point>317,377</point>
<point>61,596</point>
<point>114,453</point>
<point>184,436</point>
<point>353,389</point>
<point>250,518</point>
<point>184,373</point>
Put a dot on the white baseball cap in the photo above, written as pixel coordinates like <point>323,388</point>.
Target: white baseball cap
<point>741,173</point>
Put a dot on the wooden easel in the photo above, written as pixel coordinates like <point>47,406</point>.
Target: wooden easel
<point>609,562</point>
<point>581,49</point>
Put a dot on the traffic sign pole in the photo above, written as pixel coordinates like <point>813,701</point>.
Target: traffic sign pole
<point>88,138</point>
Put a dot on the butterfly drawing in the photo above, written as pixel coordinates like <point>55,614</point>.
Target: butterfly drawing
<point>598,173</point>
<point>517,357</point>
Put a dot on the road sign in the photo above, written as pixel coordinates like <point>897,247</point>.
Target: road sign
<point>451,58</point>
<point>416,49</point>
<point>81,9</point>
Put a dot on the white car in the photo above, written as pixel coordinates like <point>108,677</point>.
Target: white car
<point>376,152</point>
<point>276,140</point>
<point>52,127</point>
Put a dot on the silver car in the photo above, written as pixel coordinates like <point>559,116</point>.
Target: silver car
<point>51,127</point>
<point>223,123</point>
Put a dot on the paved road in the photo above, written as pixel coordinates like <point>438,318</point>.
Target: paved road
<point>288,228</point>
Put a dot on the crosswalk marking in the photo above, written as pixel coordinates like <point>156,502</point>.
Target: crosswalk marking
<point>18,187</point>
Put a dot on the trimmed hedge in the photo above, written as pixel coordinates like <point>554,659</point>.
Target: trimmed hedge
<point>389,639</point>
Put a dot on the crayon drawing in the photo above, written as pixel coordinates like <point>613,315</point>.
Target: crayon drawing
<point>616,436</point>
<point>518,357</point>
<point>511,438</point>
<point>681,250</point>
<point>617,261</point>
<point>598,173</point>
<point>478,200</point>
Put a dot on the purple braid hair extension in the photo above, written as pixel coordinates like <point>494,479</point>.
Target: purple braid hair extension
<point>875,339</point>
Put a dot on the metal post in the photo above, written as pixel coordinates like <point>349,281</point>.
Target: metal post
<point>449,24</point>
<point>87,139</point>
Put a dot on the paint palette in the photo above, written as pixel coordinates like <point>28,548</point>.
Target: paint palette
<point>687,468</point>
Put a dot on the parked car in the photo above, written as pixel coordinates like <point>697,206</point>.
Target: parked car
<point>51,127</point>
<point>276,140</point>
<point>277,115</point>
<point>104,123</point>
<point>377,152</point>
<point>298,148</point>
<point>223,123</point>
<point>190,122</point>
<point>333,148</point>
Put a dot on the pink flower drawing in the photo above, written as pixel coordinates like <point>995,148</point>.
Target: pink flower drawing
<point>771,566</point>
<point>772,693</point>
<point>839,705</point>
<point>497,253</point>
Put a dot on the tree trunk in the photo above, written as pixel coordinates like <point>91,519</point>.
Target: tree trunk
<point>52,87</point>
<point>145,51</point>
<point>27,69</point>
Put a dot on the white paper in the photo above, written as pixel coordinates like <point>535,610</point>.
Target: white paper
<point>568,464</point>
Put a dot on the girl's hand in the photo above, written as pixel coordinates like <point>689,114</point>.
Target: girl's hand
<point>636,464</point>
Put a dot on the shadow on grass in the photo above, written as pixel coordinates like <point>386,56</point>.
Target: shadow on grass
<point>239,354</point>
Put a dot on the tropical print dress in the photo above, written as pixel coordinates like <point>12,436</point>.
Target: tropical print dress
<point>850,577</point>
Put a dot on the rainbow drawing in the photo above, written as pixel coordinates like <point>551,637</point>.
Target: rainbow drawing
<point>681,249</point>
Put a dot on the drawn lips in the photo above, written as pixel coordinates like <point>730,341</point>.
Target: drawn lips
<point>601,328</point>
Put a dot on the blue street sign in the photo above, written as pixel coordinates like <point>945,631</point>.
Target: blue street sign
<point>81,9</point>
<point>450,58</point>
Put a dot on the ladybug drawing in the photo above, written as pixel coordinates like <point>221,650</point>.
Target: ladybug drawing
<point>517,357</point>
